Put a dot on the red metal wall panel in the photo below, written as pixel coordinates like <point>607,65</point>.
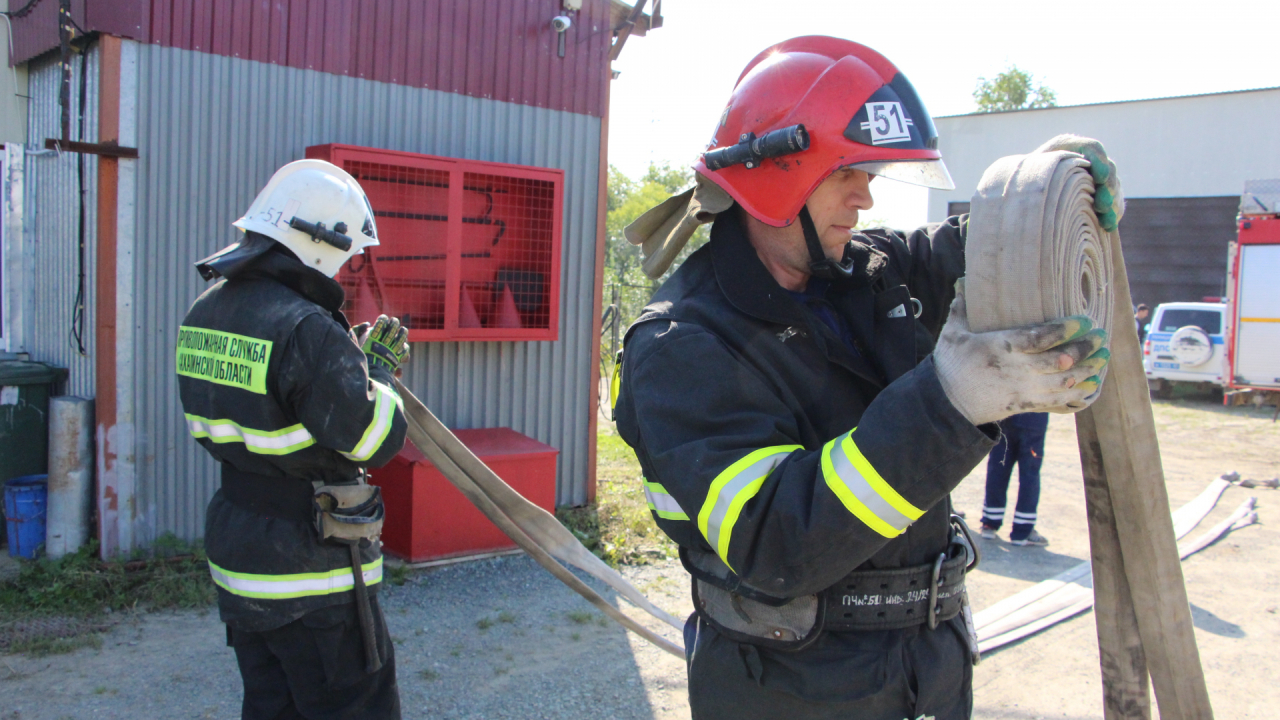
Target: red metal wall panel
<point>242,19</point>
<point>161,30</point>
<point>500,49</point>
<point>37,31</point>
<point>278,34</point>
<point>123,18</point>
<point>202,25</point>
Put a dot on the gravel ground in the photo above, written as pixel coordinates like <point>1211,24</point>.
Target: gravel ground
<point>487,640</point>
<point>501,638</point>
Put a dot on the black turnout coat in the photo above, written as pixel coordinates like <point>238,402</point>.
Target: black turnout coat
<point>738,400</point>
<point>274,388</point>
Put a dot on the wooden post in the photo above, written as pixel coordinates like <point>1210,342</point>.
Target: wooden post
<point>1122,428</point>
<point>113,500</point>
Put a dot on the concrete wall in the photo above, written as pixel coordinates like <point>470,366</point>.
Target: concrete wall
<point>1198,146</point>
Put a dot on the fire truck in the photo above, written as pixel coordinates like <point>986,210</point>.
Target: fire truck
<point>1253,295</point>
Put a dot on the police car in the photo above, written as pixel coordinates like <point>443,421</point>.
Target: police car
<point>1185,344</point>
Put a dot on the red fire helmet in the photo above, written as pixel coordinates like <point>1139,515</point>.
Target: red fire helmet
<point>809,106</point>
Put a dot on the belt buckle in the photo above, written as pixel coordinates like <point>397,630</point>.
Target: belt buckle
<point>934,606</point>
<point>961,536</point>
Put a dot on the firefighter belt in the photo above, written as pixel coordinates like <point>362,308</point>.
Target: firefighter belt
<point>864,600</point>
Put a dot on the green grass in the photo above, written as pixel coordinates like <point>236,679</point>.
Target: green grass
<point>618,527</point>
<point>581,617</point>
<point>173,574</point>
<point>176,576</point>
<point>396,574</point>
<point>42,646</point>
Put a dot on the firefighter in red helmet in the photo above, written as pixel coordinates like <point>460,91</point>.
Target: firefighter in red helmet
<point>803,397</point>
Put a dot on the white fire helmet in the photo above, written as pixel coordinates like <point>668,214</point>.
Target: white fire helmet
<point>314,208</point>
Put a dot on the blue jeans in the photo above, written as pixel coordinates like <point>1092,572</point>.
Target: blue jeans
<point>1021,442</point>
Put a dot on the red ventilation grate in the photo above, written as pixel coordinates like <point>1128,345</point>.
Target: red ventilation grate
<point>468,250</point>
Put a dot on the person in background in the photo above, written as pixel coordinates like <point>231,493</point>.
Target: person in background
<point>1140,315</point>
<point>1021,442</point>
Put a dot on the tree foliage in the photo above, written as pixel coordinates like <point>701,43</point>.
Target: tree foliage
<point>627,200</point>
<point>1012,89</point>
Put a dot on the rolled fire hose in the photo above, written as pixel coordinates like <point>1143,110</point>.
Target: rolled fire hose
<point>1035,253</point>
<point>535,530</point>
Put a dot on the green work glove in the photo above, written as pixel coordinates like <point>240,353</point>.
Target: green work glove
<point>385,344</point>
<point>1053,366</point>
<point>1108,200</point>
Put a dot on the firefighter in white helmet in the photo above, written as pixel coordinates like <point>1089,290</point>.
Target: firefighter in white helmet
<point>295,405</point>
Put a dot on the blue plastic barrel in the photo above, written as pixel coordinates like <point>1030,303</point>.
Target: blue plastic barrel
<point>25,500</point>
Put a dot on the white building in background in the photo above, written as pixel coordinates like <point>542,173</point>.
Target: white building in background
<point>1183,162</point>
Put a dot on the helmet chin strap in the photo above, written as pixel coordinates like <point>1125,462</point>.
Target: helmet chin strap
<point>819,264</point>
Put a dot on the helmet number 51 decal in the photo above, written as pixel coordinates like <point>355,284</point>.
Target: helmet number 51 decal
<point>888,122</point>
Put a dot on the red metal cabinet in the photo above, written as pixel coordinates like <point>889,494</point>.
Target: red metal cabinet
<point>468,250</point>
<point>427,518</point>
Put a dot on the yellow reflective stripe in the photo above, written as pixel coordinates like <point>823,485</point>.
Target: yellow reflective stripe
<point>615,382</point>
<point>661,502</point>
<point>384,410</point>
<point>731,489</point>
<point>262,442</point>
<point>284,587</point>
<point>863,491</point>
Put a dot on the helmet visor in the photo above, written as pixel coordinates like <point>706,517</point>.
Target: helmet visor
<point>929,173</point>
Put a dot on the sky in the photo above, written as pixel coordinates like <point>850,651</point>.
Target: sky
<point>675,80</point>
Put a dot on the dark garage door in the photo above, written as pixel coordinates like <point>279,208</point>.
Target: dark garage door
<point>1175,248</point>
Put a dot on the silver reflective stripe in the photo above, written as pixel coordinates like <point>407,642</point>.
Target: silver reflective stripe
<point>863,492</point>
<point>384,411</point>
<point>284,587</point>
<point>731,490</point>
<point>262,442</point>
<point>661,502</point>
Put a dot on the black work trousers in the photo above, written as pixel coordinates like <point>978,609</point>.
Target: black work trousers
<point>314,669</point>
<point>884,675</point>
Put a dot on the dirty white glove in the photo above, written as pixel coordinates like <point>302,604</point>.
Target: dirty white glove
<point>990,376</point>
<point>1108,199</point>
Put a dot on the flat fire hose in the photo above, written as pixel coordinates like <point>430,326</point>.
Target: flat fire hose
<point>1034,253</point>
<point>535,530</point>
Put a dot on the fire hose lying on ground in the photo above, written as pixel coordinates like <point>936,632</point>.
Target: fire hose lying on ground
<point>1035,253</point>
<point>535,530</point>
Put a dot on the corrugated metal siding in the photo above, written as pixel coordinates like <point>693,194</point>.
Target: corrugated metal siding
<point>213,129</point>
<point>493,49</point>
<point>52,225</point>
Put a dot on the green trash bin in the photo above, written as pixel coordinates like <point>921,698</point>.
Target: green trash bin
<point>25,388</point>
